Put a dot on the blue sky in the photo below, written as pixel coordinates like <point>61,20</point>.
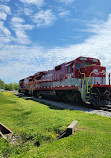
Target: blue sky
<point>36,35</point>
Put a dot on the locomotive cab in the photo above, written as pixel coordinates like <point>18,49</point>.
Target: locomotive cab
<point>93,81</point>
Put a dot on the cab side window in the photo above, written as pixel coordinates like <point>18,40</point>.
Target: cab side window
<point>77,66</point>
<point>69,69</point>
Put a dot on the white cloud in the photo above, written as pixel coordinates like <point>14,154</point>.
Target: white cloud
<point>5,9</point>
<point>17,20</point>
<point>67,2</point>
<point>28,11</point>
<point>34,2</point>
<point>19,26</point>
<point>3,16</point>
<point>97,45</point>
<point>44,18</point>
<point>19,23</point>
<point>63,12</point>
<point>4,29</point>
<point>21,61</point>
<point>5,34</point>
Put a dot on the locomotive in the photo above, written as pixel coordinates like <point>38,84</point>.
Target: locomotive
<point>82,79</point>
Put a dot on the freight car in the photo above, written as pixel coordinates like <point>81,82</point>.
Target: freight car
<point>83,79</point>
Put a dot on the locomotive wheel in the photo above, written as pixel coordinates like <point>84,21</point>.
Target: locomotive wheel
<point>64,96</point>
<point>69,95</point>
<point>94,101</point>
<point>26,92</point>
<point>59,94</point>
<point>74,97</point>
<point>97,102</point>
<point>36,93</point>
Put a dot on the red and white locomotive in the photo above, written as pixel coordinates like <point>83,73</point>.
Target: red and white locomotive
<point>83,79</point>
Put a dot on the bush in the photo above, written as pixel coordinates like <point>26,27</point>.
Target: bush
<point>9,86</point>
<point>2,84</point>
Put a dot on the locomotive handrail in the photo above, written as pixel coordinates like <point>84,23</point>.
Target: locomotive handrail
<point>89,79</point>
<point>88,82</point>
<point>109,77</point>
<point>81,79</point>
<point>83,82</point>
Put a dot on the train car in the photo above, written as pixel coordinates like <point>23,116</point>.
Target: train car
<point>83,79</point>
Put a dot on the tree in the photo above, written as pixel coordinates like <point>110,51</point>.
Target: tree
<point>15,86</point>
<point>2,84</point>
<point>11,86</point>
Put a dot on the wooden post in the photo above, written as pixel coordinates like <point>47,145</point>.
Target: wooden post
<point>70,130</point>
<point>5,132</point>
<point>72,127</point>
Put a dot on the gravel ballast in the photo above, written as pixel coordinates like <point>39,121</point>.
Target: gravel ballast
<point>74,107</point>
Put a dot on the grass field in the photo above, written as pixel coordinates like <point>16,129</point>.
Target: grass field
<point>36,128</point>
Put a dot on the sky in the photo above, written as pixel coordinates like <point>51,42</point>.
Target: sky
<point>37,35</point>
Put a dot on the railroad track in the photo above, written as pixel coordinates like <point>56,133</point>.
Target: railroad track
<point>106,108</point>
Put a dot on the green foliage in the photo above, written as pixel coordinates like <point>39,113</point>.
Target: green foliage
<point>2,84</point>
<point>37,126</point>
<point>9,86</point>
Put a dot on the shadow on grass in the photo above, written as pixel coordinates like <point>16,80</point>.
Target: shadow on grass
<point>60,105</point>
<point>46,102</point>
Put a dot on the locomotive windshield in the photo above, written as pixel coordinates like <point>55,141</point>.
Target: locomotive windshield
<point>88,61</point>
<point>83,64</point>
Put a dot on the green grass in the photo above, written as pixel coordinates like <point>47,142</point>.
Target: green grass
<point>38,125</point>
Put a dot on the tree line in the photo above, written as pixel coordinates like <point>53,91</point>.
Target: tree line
<point>9,86</point>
